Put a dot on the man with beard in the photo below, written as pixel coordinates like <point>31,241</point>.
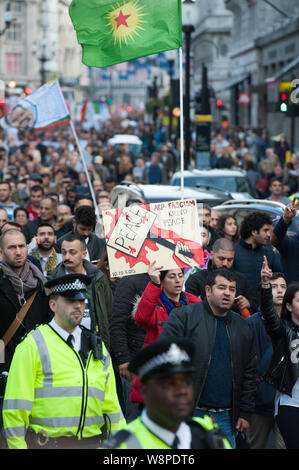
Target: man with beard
<point>43,248</point>
<point>98,303</point>
<point>225,355</point>
<point>222,256</point>
<point>83,224</point>
<point>21,283</point>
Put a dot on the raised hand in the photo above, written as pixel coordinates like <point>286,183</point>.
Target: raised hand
<point>266,273</point>
<point>154,272</point>
<point>291,210</point>
<point>180,249</point>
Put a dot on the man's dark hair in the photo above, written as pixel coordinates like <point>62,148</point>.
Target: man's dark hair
<point>84,196</point>
<point>72,237</point>
<point>226,273</point>
<point>288,298</point>
<point>7,183</point>
<point>275,178</point>
<point>85,215</point>
<point>44,224</point>
<point>12,225</point>
<point>277,276</point>
<point>36,188</point>
<point>254,221</point>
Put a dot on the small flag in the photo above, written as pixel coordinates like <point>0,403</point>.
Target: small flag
<point>121,30</point>
<point>41,110</point>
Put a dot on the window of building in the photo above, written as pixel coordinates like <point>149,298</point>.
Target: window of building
<point>13,63</point>
<point>14,32</point>
<point>17,6</point>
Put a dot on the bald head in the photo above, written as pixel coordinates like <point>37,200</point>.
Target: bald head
<point>13,249</point>
<point>223,244</point>
<point>223,254</point>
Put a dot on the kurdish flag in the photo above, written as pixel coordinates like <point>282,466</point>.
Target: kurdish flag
<point>115,31</point>
<point>42,109</point>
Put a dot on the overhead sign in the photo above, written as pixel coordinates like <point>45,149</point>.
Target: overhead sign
<point>166,232</point>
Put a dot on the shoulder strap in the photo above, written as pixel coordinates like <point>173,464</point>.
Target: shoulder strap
<point>115,441</point>
<point>17,321</point>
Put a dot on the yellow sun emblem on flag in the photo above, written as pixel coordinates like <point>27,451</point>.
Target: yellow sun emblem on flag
<point>125,21</point>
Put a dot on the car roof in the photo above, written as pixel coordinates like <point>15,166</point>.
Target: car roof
<point>156,193</point>
<point>213,172</point>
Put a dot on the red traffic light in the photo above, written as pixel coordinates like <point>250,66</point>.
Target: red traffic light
<point>284,96</point>
<point>219,103</point>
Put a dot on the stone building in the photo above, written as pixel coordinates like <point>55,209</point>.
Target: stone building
<point>264,51</point>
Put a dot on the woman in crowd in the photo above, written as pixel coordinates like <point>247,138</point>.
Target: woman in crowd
<point>283,371</point>
<point>20,216</point>
<point>163,293</point>
<point>228,228</point>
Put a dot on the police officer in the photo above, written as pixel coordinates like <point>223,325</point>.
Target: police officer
<point>165,372</point>
<point>61,385</point>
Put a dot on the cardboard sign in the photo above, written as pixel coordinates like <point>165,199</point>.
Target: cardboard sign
<point>167,233</point>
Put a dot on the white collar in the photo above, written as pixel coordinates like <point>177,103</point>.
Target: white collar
<point>65,334</point>
<point>183,432</point>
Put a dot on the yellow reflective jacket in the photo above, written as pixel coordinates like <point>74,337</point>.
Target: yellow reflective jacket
<point>49,389</point>
<point>138,436</point>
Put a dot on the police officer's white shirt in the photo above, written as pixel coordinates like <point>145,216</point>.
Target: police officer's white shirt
<point>183,432</point>
<point>65,334</point>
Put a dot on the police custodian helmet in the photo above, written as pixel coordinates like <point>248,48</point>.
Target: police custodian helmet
<point>70,286</point>
<point>163,357</point>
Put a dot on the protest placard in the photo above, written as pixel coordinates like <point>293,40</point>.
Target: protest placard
<point>166,232</point>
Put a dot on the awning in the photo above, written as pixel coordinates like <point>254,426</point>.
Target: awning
<point>287,68</point>
<point>234,81</point>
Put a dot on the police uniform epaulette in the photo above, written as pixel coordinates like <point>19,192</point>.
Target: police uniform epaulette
<point>27,332</point>
<point>119,438</point>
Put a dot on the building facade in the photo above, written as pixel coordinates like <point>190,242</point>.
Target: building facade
<point>264,49</point>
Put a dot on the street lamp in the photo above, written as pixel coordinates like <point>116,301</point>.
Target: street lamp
<point>8,19</point>
<point>189,20</point>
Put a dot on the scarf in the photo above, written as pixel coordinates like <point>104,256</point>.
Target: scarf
<point>169,304</point>
<point>29,278</point>
<point>52,260</point>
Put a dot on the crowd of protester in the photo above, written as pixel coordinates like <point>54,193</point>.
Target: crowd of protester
<point>48,211</point>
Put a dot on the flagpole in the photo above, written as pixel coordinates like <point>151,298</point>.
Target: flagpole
<point>181,120</point>
<point>86,170</point>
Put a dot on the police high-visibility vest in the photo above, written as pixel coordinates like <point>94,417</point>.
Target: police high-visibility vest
<point>49,389</point>
<point>141,438</point>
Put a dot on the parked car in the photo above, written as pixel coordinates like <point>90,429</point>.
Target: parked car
<point>159,193</point>
<point>240,209</point>
<point>234,181</point>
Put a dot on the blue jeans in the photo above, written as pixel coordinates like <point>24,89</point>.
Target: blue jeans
<point>223,419</point>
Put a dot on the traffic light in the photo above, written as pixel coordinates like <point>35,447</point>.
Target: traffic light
<point>284,101</point>
<point>219,103</point>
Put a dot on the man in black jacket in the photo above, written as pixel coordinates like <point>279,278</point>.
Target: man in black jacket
<point>19,280</point>
<point>222,256</point>
<point>225,355</point>
<point>126,336</point>
<point>84,223</point>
